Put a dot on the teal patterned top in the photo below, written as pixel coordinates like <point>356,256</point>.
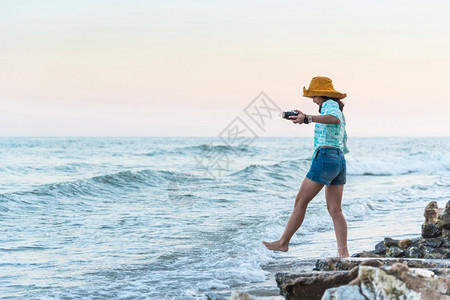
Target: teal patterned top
<point>332,135</point>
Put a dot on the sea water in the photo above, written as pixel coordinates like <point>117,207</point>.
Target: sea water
<point>177,218</point>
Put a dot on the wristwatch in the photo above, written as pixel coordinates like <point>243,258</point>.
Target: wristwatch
<point>306,120</point>
<point>309,118</point>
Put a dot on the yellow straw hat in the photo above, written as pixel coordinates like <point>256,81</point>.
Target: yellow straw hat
<point>322,86</point>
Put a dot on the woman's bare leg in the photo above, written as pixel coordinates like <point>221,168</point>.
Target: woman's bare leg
<point>333,194</point>
<point>307,192</point>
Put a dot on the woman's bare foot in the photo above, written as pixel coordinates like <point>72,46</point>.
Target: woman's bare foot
<point>343,252</point>
<point>276,246</point>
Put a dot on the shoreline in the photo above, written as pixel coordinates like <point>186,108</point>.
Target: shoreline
<point>416,268</point>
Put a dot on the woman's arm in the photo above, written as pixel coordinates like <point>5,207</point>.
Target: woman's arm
<point>325,119</point>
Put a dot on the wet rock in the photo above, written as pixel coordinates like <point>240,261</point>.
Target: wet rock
<point>430,230</point>
<point>394,252</point>
<point>445,243</point>
<point>431,227</point>
<point>446,234</point>
<point>346,292</point>
<point>431,213</point>
<point>380,248</point>
<point>213,296</point>
<point>312,285</point>
<point>237,295</point>
<point>367,254</point>
<point>445,221</point>
<point>432,242</point>
<point>447,208</point>
<point>395,282</point>
<point>336,264</point>
<point>431,255</point>
<point>413,252</point>
<point>405,243</point>
<point>388,242</point>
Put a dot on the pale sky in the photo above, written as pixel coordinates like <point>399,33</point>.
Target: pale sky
<point>189,68</point>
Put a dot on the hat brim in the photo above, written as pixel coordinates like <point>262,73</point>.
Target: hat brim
<point>327,93</point>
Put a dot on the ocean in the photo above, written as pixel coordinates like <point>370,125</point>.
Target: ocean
<point>178,218</point>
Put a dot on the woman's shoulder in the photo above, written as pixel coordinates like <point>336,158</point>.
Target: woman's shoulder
<point>331,103</point>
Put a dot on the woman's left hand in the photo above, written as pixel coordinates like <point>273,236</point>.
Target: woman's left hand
<point>299,118</point>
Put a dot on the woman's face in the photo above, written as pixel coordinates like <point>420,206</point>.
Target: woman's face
<point>318,100</point>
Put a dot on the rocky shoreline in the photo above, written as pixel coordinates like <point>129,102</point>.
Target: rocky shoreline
<point>416,268</point>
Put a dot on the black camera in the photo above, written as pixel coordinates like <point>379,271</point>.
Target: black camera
<point>287,114</point>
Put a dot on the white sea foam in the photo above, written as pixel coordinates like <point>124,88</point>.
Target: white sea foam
<point>397,165</point>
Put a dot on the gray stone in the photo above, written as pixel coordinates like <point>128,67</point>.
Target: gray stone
<point>237,295</point>
<point>394,252</point>
<point>334,263</point>
<point>446,234</point>
<point>432,242</point>
<point>388,242</point>
<point>447,208</point>
<point>375,283</point>
<point>394,282</point>
<point>213,296</point>
<point>430,230</point>
<point>344,292</point>
<point>446,243</point>
<point>380,248</point>
<point>429,255</point>
<point>413,252</point>
<point>445,221</point>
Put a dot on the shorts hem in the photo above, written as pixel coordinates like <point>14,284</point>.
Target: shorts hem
<point>318,181</point>
<point>338,183</point>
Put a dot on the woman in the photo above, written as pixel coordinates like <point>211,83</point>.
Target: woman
<point>328,164</point>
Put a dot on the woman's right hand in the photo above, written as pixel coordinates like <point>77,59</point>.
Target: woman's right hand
<point>299,118</point>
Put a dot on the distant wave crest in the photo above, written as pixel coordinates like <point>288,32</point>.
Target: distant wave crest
<point>388,166</point>
<point>204,149</point>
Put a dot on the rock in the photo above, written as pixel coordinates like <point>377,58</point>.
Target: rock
<point>367,254</point>
<point>336,264</point>
<point>447,208</point>
<point>388,242</point>
<point>444,221</point>
<point>213,296</point>
<point>432,242</point>
<point>428,249</point>
<point>237,295</point>
<point>446,234</point>
<point>430,230</point>
<point>377,284</point>
<point>431,212</point>
<point>431,255</point>
<point>417,268</point>
<point>413,252</point>
<point>380,248</point>
<point>394,252</point>
<point>312,285</point>
<point>434,220</point>
<point>345,292</point>
<point>395,282</point>
<point>446,243</point>
<point>405,243</point>
<point>422,273</point>
<point>416,241</point>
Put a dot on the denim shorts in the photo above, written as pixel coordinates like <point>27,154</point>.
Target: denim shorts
<point>328,167</point>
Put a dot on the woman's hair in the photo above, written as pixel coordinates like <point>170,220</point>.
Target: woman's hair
<point>339,102</point>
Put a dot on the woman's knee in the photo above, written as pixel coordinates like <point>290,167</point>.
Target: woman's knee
<point>300,202</point>
<point>334,211</point>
